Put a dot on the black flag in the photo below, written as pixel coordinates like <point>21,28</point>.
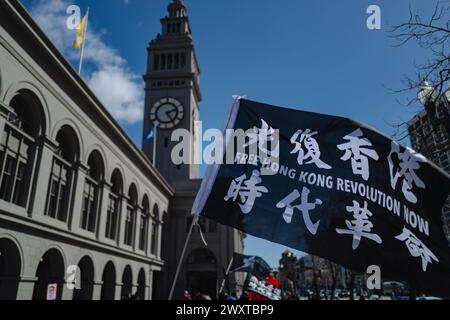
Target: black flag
<point>334,188</point>
<point>251,264</point>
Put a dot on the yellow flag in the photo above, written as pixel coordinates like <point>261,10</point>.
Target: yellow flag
<point>79,30</point>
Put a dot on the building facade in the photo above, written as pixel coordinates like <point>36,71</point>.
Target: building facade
<point>74,190</point>
<point>429,137</point>
<point>172,102</point>
<point>78,199</point>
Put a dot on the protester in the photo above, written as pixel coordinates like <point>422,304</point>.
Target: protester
<point>186,296</point>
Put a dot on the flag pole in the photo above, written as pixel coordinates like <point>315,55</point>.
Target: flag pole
<point>154,144</point>
<point>226,275</point>
<point>177,273</point>
<point>84,41</point>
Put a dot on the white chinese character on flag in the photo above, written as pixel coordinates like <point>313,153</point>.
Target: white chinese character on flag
<point>404,165</point>
<point>247,190</point>
<point>417,248</point>
<point>360,227</point>
<point>262,136</point>
<point>308,149</point>
<point>305,207</point>
<point>357,149</point>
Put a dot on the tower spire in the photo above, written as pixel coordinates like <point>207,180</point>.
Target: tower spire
<point>177,9</point>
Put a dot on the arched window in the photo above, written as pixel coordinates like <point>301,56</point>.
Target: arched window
<point>91,193</point>
<point>114,203</point>
<point>202,256</point>
<point>130,219</point>
<point>18,147</point>
<point>143,225</point>
<point>61,177</point>
<point>154,235</point>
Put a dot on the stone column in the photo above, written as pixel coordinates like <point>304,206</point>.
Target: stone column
<point>103,211</point>
<point>41,177</point>
<point>137,229</point>
<point>97,291</point>
<point>67,295</point>
<point>121,228</point>
<point>118,295</point>
<point>2,124</point>
<point>26,288</point>
<point>134,288</point>
<point>148,250</point>
<point>149,291</point>
<point>159,239</point>
<point>77,202</point>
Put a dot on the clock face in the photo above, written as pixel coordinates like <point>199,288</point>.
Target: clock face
<point>167,113</point>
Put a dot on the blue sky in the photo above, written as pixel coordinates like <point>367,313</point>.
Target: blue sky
<point>312,55</point>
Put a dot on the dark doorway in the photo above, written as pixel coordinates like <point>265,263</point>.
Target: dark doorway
<point>50,271</point>
<point>141,285</point>
<point>204,282</point>
<point>10,268</point>
<point>109,282</point>
<point>87,280</point>
<point>127,283</point>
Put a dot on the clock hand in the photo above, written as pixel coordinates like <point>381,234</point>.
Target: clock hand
<point>169,113</point>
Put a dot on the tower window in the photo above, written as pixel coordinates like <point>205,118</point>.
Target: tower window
<point>183,60</point>
<point>163,62</point>
<point>169,61</point>
<point>177,60</point>
<point>156,62</point>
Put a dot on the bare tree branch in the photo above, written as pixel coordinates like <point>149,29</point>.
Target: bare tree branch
<point>432,34</point>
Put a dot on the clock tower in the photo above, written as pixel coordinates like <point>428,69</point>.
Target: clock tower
<point>172,94</point>
<point>172,99</point>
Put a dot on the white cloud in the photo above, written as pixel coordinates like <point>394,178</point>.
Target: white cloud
<point>119,89</point>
